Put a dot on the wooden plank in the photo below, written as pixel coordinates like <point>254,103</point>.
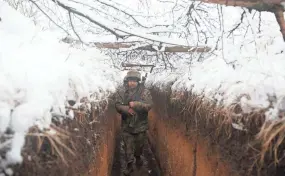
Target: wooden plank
<point>119,45</point>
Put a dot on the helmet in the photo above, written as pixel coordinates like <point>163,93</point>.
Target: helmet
<point>133,74</point>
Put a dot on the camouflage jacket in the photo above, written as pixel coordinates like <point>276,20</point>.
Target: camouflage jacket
<point>142,104</point>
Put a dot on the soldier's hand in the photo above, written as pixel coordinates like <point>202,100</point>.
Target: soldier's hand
<point>131,111</point>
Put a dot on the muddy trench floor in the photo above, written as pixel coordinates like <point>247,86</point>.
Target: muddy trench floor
<point>149,168</point>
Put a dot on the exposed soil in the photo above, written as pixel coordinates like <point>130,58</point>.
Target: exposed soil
<point>102,164</point>
<point>92,140</point>
<point>191,141</point>
<point>178,145</point>
<point>184,154</point>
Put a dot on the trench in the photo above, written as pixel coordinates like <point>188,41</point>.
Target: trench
<point>174,148</point>
<point>169,151</point>
<point>150,165</point>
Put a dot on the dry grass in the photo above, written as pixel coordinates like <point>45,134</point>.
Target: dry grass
<point>271,137</point>
<point>56,137</point>
<point>265,150</point>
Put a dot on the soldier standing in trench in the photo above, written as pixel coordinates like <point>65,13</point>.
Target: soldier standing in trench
<point>134,109</point>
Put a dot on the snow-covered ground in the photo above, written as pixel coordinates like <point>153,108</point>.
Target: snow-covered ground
<point>38,73</point>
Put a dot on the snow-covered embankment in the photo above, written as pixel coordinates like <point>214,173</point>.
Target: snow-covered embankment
<point>38,74</point>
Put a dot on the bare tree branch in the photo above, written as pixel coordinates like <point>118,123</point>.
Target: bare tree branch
<point>148,37</point>
<point>49,17</point>
<point>131,16</point>
<point>241,20</point>
<point>72,10</point>
<point>72,26</point>
<point>259,5</point>
<point>98,10</point>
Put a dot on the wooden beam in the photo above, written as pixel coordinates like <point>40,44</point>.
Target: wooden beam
<point>259,5</point>
<point>180,49</point>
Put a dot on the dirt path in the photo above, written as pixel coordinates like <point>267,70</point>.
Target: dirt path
<point>149,168</point>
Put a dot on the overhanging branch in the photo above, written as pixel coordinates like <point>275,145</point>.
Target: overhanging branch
<point>259,5</point>
<point>273,6</point>
<point>33,2</point>
<point>74,11</point>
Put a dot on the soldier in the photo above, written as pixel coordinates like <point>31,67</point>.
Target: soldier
<point>134,112</point>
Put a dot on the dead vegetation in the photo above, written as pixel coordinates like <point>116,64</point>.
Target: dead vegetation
<point>251,145</point>
<point>72,147</point>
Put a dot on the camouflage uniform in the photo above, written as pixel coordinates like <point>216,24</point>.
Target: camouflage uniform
<point>134,127</point>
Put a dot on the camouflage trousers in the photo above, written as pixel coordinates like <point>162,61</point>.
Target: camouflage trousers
<point>132,148</point>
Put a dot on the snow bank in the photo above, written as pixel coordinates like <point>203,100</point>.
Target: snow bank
<point>247,69</point>
<point>38,74</point>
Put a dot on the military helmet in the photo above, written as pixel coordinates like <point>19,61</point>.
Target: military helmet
<point>133,74</point>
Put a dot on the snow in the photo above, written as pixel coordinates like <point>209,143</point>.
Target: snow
<point>247,70</point>
<point>38,74</point>
<point>9,171</point>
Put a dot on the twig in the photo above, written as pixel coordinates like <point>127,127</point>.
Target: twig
<point>148,38</point>
<point>72,10</point>
<point>241,20</point>
<point>73,29</point>
<point>109,5</point>
<point>49,17</point>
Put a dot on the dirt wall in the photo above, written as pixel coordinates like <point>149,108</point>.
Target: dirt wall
<point>188,144</point>
<point>184,153</point>
<point>105,151</point>
<point>92,140</point>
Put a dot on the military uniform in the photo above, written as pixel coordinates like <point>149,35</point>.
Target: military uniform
<point>134,126</point>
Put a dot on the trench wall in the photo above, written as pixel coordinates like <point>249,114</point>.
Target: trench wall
<point>180,144</point>
<point>191,137</point>
<point>183,153</point>
<point>184,142</point>
<point>92,139</point>
<point>110,126</point>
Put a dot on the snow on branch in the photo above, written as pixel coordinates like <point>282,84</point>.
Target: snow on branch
<point>82,11</point>
<point>33,2</point>
<point>274,6</point>
<point>74,11</point>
